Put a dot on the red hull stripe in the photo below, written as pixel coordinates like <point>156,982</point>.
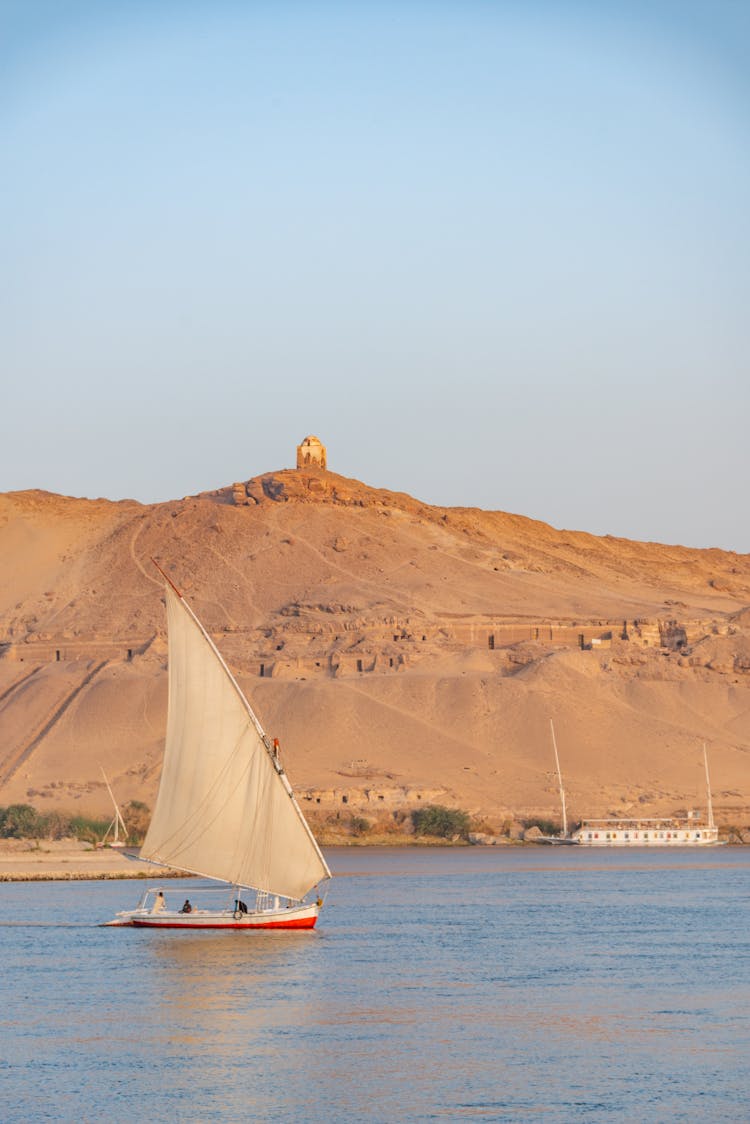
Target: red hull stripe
<point>300,923</point>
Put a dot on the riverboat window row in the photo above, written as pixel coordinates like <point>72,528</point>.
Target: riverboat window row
<point>645,835</point>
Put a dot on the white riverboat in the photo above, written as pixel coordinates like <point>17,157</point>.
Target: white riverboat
<point>676,831</point>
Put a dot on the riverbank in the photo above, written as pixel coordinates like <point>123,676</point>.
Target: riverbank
<point>68,859</point>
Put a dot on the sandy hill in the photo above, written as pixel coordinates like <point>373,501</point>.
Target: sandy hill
<point>401,652</point>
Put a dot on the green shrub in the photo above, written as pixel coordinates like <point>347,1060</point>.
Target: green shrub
<point>22,821</point>
<point>434,819</point>
<point>54,825</point>
<point>547,827</point>
<point>19,821</point>
<point>359,825</point>
<point>137,817</point>
<point>87,829</point>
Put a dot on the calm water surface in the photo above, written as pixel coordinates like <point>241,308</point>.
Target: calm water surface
<point>441,985</point>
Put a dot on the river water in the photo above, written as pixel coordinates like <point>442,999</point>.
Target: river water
<point>496,984</point>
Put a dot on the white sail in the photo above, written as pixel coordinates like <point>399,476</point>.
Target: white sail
<point>224,809</point>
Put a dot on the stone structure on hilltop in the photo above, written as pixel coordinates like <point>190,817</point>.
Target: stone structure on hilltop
<point>311,453</point>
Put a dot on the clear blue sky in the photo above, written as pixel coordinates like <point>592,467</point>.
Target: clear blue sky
<point>493,254</point>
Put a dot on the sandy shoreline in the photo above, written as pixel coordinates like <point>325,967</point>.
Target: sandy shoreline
<point>72,861</point>
<point>52,862</point>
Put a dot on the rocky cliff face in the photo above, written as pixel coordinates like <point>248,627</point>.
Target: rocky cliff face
<point>429,645</point>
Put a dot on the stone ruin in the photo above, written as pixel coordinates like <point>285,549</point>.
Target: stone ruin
<point>311,453</point>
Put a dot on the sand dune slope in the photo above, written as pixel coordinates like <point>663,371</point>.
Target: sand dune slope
<point>402,652</point>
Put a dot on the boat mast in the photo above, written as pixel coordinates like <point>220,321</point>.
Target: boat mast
<point>118,820</point>
<point>560,780</point>
<point>708,788</point>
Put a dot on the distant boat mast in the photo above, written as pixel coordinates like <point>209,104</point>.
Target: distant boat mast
<point>708,788</point>
<point>118,822</point>
<point>560,781</point>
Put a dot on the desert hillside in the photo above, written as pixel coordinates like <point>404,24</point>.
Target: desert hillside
<point>401,652</point>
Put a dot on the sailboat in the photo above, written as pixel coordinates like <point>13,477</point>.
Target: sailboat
<point>117,823</point>
<point>225,810</point>
<point>563,839</point>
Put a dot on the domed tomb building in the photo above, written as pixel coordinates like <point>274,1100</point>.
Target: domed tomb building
<point>311,454</point>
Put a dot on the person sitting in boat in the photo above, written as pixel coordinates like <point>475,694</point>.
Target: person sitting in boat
<point>159,903</point>
<point>240,907</point>
<point>187,908</point>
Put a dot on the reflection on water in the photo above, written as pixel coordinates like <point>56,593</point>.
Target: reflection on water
<point>440,985</point>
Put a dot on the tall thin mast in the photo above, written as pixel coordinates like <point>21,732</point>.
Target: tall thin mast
<point>118,820</point>
<point>559,777</point>
<point>708,788</point>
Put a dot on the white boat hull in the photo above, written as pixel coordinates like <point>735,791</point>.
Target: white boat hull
<point>293,917</point>
<point>649,843</point>
<point>637,837</point>
<point>555,840</point>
